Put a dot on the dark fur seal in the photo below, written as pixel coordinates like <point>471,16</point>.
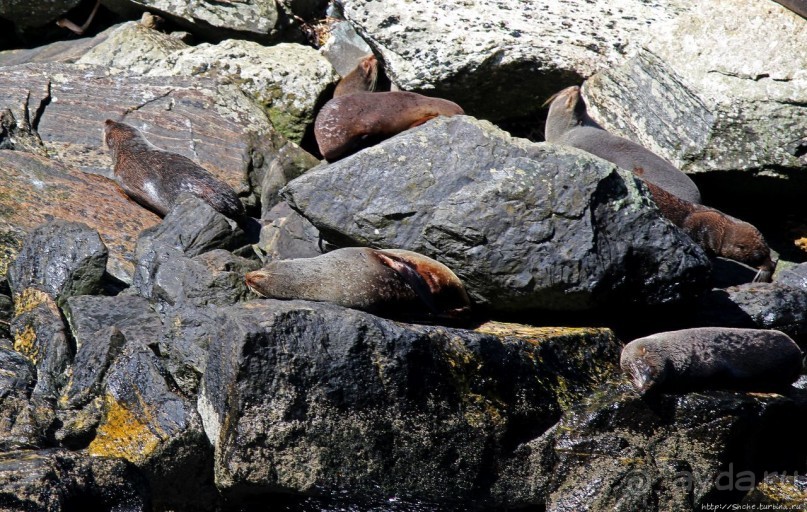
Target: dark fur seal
<point>712,357</point>
<point>391,283</point>
<point>797,6</point>
<point>156,178</point>
<point>363,78</point>
<point>568,123</point>
<point>719,234</point>
<point>361,119</point>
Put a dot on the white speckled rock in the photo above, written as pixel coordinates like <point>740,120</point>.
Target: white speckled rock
<point>472,51</point>
<point>722,89</point>
<point>133,48</point>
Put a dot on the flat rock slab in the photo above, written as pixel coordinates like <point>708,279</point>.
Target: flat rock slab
<point>502,59</point>
<point>525,226</point>
<point>35,189</point>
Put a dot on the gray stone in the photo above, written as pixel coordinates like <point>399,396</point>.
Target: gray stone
<point>89,368</point>
<point>290,162</point>
<point>91,317</point>
<point>60,51</point>
<point>344,47</point>
<point>523,225</point>
<point>738,105</point>
<point>503,59</point>
<point>60,258</point>
<point>291,387</point>
<point>287,235</point>
<point>795,277</point>
<point>51,480</point>
<point>21,418</point>
<point>26,14</point>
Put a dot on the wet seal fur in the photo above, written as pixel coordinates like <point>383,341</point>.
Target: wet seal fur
<point>348,123</point>
<point>392,283</point>
<point>363,78</point>
<point>719,234</point>
<point>569,124</point>
<point>712,357</point>
<point>155,178</point>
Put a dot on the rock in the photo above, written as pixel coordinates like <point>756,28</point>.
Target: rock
<point>287,235</point>
<point>46,480</point>
<point>34,190</point>
<point>251,19</point>
<point>91,363</point>
<point>615,451</point>
<point>39,335</point>
<point>26,15</point>
<point>778,490</point>
<point>60,258</point>
<point>739,105</point>
<point>502,60</point>
<point>213,124</point>
<point>20,425</point>
<point>193,226</point>
<point>756,305</point>
<point>344,47</point>
<point>292,386</point>
<point>523,225</point>
<point>91,317</point>
<point>6,312</point>
<point>290,162</point>
<point>68,51</point>
<point>155,429</point>
<point>795,277</point>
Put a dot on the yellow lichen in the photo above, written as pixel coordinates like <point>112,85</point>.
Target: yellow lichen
<point>25,344</point>
<point>123,434</point>
<point>28,299</point>
<point>535,335</point>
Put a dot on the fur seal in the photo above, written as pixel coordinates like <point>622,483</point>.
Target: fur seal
<point>797,6</point>
<point>361,119</point>
<point>363,78</point>
<point>568,123</point>
<point>712,357</point>
<point>719,234</point>
<point>392,283</point>
<point>155,178</point>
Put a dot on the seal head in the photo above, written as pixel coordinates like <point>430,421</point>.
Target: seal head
<point>363,78</point>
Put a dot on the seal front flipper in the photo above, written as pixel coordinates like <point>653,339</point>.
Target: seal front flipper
<point>411,277</point>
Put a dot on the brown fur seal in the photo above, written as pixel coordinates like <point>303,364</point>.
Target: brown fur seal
<point>797,6</point>
<point>363,78</point>
<point>155,178</point>
<point>392,283</point>
<point>712,357</point>
<point>718,233</point>
<point>568,123</point>
<point>361,119</point>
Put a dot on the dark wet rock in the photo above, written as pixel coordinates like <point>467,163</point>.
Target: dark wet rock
<point>22,419</point>
<point>40,335</point>
<point>93,359</point>
<point>193,227</point>
<point>25,14</point>
<point>6,312</point>
<point>91,317</point>
<point>189,332</point>
<point>313,398</point>
<point>286,235</point>
<point>726,273</point>
<point>157,430</point>
<point>616,451</point>
<point>795,277</point>
<point>756,305</point>
<point>780,490</point>
<point>34,190</point>
<point>60,258</point>
<point>523,225</point>
<point>290,162</point>
<point>55,480</point>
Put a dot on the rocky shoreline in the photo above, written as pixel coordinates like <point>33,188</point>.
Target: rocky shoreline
<point>138,372</point>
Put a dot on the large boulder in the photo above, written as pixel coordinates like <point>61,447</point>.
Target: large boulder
<point>302,397</point>
<point>524,225</point>
<point>738,105</point>
<point>503,59</point>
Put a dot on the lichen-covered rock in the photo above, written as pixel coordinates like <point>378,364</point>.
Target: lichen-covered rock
<point>151,426</point>
<point>291,387</point>
<point>778,490</point>
<point>60,258</point>
<point>616,451</point>
<point>252,19</point>
<point>290,162</point>
<point>19,421</point>
<point>795,277</point>
<point>502,59</point>
<point>756,305</point>
<point>523,225</point>
<point>738,105</point>
<point>40,335</point>
<point>35,189</point>
<point>26,14</point>
<point>287,235</point>
<point>193,226</point>
<point>55,480</point>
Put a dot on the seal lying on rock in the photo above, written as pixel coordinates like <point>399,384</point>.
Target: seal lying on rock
<point>718,233</point>
<point>568,123</point>
<point>362,119</point>
<point>712,357</point>
<point>363,78</point>
<point>155,178</point>
<point>390,283</point>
